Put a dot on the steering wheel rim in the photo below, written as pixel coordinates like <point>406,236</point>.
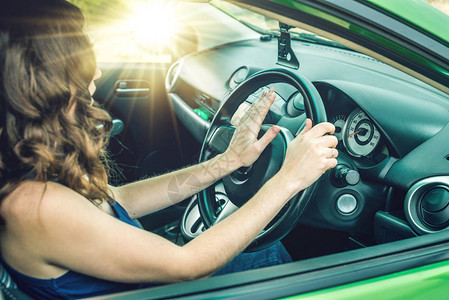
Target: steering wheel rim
<point>289,215</point>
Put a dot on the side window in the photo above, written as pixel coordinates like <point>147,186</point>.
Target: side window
<point>442,5</point>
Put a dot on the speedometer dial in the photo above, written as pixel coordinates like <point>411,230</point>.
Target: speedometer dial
<point>360,135</point>
<point>339,123</point>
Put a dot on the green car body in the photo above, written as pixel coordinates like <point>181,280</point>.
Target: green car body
<point>418,13</point>
<point>427,282</point>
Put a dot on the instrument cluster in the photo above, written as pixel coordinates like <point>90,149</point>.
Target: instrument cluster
<point>357,133</point>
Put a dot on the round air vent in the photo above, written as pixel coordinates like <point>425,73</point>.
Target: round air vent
<point>427,205</point>
<point>238,77</point>
<point>434,207</point>
<point>172,76</point>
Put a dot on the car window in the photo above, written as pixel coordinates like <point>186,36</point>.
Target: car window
<point>442,5</point>
<point>156,31</point>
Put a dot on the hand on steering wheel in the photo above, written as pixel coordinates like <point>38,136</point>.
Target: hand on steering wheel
<point>244,146</point>
<point>264,152</point>
<point>309,156</point>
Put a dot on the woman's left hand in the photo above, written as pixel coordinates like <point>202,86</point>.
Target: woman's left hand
<point>244,147</point>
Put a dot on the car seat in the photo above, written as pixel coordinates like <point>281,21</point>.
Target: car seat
<point>8,287</point>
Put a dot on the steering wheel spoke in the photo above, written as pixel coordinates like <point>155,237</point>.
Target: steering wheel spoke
<point>226,209</point>
<point>220,139</point>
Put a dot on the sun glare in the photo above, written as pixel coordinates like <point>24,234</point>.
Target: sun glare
<point>154,24</point>
<point>147,32</point>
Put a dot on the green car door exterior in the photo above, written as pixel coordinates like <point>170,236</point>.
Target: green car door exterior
<point>427,282</point>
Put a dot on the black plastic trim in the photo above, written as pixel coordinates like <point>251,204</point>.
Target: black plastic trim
<point>427,160</point>
<point>193,122</point>
<point>398,30</point>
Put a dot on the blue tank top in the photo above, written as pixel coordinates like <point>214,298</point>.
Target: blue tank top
<point>72,285</point>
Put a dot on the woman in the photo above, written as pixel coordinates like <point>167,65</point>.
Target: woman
<point>65,233</point>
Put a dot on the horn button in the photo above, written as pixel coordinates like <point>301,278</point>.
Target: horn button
<point>243,183</point>
<point>243,173</point>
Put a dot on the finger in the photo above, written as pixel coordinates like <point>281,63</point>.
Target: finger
<point>257,113</point>
<point>264,93</point>
<point>263,142</point>
<point>239,113</point>
<point>321,129</point>
<point>333,153</point>
<point>332,163</point>
<point>329,141</point>
<point>266,139</point>
<point>307,127</point>
<point>264,103</point>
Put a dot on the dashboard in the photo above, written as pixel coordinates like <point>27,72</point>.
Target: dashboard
<point>346,80</point>
<point>385,120</point>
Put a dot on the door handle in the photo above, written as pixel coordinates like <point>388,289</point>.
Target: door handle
<point>141,90</point>
<point>132,88</point>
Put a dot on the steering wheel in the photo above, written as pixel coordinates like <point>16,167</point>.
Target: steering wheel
<point>223,198</point>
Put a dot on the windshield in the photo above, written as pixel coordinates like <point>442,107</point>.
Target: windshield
<point>266,25</point>
<point>160,31</point>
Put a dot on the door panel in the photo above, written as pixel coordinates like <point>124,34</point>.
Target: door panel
<point>150,142</point>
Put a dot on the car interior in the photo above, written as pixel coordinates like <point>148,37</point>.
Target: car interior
<point>391,181</point>
<point>381,116</point>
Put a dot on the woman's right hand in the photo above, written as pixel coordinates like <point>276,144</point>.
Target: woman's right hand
<point>309,156</point>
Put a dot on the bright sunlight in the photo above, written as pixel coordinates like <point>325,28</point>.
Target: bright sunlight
<point>142,31</point>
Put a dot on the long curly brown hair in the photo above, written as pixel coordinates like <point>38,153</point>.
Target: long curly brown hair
<point>49,128</point>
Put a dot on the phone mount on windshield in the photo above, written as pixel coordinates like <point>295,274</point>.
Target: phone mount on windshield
<point>286,56</point>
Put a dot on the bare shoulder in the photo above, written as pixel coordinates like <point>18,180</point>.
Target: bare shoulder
<point>32,212</point>
<point>33,199</point>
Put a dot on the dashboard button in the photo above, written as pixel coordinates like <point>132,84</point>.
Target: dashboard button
<point>346,204</point>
